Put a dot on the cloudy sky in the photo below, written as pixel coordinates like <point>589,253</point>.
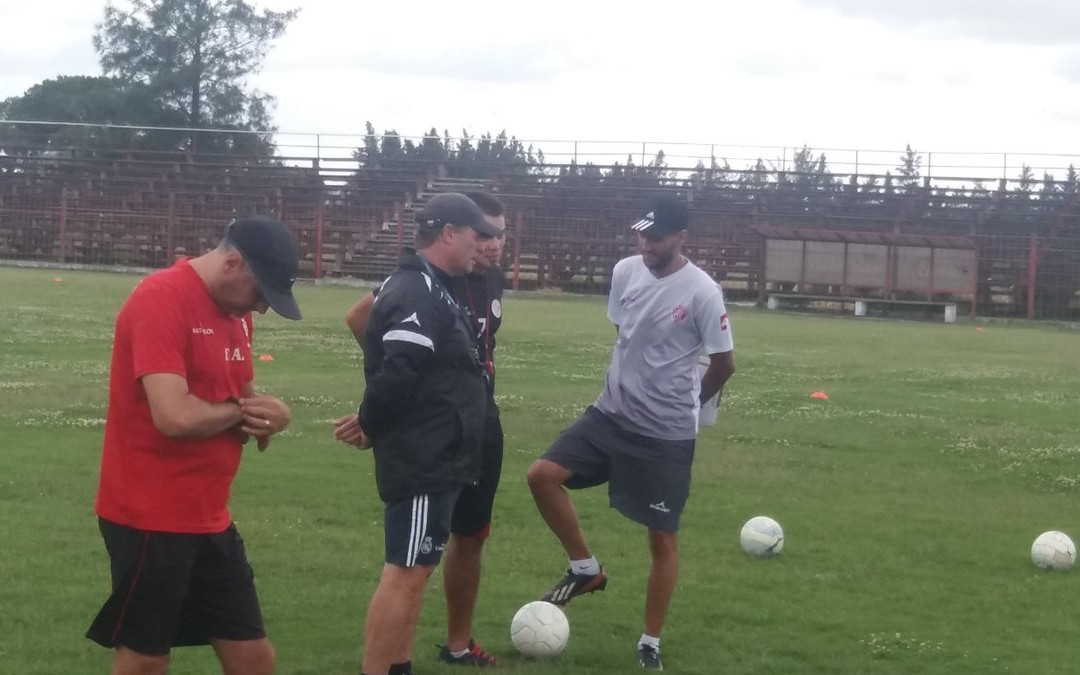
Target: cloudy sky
<point>946,76</point>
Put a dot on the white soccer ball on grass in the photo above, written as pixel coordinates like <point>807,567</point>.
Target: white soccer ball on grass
<point>1053,551</point>
<point>540,630</point>
<point>762,537</point>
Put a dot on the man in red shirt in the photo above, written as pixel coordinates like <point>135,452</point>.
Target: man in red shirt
<point>182,403</point>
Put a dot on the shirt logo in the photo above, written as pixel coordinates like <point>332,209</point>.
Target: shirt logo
<point>496,308</point>
<point>412,319</point>
<point>234,354</point>
<point>679,314</point>
<point>723,321</point>
<point>660,506</point>
<point>202,331</point>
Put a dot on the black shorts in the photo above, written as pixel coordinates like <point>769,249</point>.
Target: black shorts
<point>416,528</point>
<point>472,512</point>
<point>176,590</point>
<point>648,478</point>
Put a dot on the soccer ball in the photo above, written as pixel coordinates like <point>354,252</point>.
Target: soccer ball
<point>540,630</point>
<point>762,537</point>
<point>1053,551</point>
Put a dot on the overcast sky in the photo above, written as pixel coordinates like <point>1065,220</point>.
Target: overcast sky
<point>993,76</point>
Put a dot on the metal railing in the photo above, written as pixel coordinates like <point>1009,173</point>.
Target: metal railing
<point>678,156</point>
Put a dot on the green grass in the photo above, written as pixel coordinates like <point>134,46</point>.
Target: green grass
<point>909,499</point>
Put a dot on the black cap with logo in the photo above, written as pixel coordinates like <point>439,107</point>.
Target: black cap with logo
<point>270,253</point>
<point>663,215</point>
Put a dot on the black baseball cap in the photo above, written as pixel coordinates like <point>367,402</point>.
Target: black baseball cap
<point>271,254</point>
<point>454,208</point>
<point>663,215</point>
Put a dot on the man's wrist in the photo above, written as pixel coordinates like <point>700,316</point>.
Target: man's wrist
<point>239,409</point>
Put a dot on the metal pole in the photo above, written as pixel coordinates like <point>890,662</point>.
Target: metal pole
<point>1033,264</point>
<point>519,232</point>
<point>63,224</point>
<point>400,228</point>
<point>318,234</point>
<point>170,228</point>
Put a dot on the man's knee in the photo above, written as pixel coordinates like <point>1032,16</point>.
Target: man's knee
<point>129,662</point>
<point>254,657</point>
<point>544,473</point>
<point>467,543</point>
<point>406,579</point>
<point>663,545</point>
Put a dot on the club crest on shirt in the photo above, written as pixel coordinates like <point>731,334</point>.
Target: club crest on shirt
<point>723,321</point>
<point>496,308</point>
<point>679,314</point>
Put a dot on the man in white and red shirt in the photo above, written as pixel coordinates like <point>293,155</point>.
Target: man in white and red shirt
<point>182,403</point>
<point>638,437</point>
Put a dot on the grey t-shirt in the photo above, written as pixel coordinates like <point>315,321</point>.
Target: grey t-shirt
<point>664,324</point>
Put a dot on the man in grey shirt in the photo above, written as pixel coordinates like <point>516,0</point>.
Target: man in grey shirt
<point>638,437</point>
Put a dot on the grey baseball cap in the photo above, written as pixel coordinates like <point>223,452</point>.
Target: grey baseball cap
<point>454,208</point>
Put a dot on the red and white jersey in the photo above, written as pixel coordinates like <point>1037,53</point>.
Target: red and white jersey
<point>170,324</point>
<point>664,325</point>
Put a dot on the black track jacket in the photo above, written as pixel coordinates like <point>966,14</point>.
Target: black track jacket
<point>425,403</point>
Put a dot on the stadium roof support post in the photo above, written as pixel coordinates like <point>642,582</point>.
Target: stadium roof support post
<point>519,231</point>
<point>63,223</point>
<point>170,227</point>
<point>1033,265</point>
<point>844,272</point>
<point>930,277</point>
<point>318,233</point>
<point>399,207</point>
<point>975,280</point>
<point>890,253</point>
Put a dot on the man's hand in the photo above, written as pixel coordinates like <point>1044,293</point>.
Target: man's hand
<point>263,416</point>
<point>348,430</point>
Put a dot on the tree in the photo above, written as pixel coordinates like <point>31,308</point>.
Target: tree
<point>910,166</point>
<point>1072,181</point>
<point>755,177</point>
<point>811,172</point>
<point>491,155</point>
<point>369,154</point>
<point>195,56</point>
<point>89,100</point>
<point>1027,182</point>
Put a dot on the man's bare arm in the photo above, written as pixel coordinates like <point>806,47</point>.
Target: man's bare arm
<point>357,317</point>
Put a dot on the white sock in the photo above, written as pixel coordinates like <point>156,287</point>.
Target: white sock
<point>651,641</point>
<point>588,566</point>
<point>458,655</point>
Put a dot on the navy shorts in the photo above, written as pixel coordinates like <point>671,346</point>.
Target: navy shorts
<point>472,512</point>
<point>648,478</point>
<point>176,590</point>
<point>416,529</point>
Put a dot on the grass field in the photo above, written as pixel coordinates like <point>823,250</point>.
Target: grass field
<point>909,499</point>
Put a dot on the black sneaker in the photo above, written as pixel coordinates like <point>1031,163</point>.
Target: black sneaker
<point>574,585</point>
<point>474,657</point>
<point>649,658</point>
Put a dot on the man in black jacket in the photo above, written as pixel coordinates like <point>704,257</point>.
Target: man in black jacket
<point>480,293</point>
<point>423,412</point>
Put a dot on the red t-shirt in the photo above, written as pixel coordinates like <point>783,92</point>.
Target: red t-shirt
<point>170,324</point>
